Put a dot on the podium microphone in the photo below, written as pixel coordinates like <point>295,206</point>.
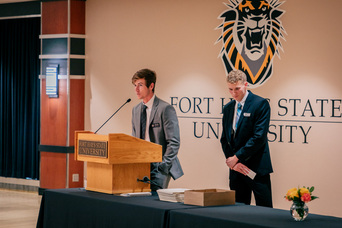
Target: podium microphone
<point>128,100</point>
<point>148,181</point>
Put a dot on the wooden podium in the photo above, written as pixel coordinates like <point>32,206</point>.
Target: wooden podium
<point>116,161</point>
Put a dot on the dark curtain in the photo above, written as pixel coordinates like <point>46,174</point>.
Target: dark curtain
<point>19,98</point>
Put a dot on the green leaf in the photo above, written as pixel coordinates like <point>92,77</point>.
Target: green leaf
<point>312,189</point>
<point>313,197</point>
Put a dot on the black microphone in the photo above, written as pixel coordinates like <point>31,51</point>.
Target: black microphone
<point>148,181</point>
<point>128,100</point>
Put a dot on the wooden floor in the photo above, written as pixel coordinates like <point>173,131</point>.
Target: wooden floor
<point>18,209</point>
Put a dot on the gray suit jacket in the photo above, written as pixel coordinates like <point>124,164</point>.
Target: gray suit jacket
<point>163,130</point>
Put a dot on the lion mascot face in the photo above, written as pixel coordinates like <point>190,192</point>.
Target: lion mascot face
<point>251,33</point>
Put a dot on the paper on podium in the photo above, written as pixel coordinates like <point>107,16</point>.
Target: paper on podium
<point>172,194</point>
<point>136,194</point>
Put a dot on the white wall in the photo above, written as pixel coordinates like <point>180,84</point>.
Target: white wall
<point>177,40</point>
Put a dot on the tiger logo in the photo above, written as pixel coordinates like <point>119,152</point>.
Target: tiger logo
<point>251,36</point>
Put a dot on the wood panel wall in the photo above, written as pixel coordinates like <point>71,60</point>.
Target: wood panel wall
<point>55,17</point>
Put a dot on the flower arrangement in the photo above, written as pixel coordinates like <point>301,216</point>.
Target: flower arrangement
<point>300,196</point>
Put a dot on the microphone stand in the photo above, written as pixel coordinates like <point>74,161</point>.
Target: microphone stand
<point>129,99</point>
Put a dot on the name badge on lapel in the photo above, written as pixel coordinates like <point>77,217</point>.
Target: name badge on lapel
<point>153,125</point>
<point>247,114</point>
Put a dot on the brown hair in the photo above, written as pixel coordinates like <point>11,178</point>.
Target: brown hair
<point>147,74</point>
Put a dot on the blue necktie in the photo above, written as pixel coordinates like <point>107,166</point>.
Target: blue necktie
<point>238,113</point>
<point>143,122</point>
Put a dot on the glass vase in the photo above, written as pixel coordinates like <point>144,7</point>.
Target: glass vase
<point>299,211</point>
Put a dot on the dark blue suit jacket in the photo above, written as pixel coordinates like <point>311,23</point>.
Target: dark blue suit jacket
<point>249,143</point>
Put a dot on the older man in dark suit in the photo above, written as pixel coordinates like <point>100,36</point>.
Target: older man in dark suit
<point>156,121</point>
<point>244,142</point>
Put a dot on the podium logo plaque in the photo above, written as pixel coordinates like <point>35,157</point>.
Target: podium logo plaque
<point>93,148</point>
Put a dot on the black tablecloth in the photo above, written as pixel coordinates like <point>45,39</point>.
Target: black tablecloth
<point>242,216</point>
<point>80,208</point>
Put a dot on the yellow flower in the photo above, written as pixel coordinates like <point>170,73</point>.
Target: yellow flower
<point>303,191</point>
<point>291,193</point>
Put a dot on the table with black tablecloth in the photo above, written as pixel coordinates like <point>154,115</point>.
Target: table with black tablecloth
<point>241,216</point>
<point>80,208</point>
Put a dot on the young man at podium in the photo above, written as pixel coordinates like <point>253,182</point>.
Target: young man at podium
<point>156,121</point>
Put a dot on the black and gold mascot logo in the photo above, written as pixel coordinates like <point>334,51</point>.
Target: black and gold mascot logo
<point>251,33</point>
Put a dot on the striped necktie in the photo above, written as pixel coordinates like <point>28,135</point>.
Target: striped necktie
<point>238,113</point>
<point>143,122</point>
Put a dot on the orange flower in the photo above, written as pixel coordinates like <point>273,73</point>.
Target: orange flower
<point>306,197</point>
